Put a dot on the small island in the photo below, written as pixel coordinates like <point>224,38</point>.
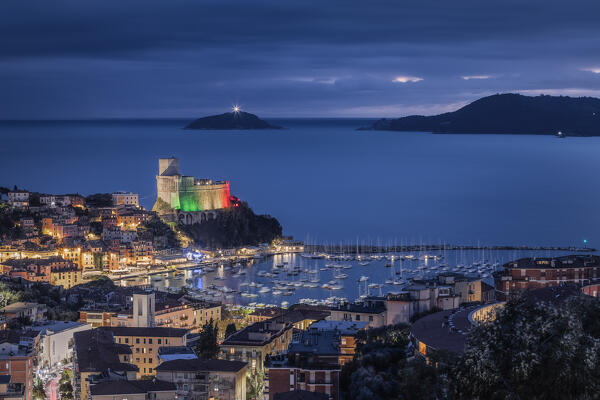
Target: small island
<point>509,114</point>
<point>235,120</point>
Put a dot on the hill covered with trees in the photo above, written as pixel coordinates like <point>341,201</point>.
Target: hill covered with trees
<point>509,114</point>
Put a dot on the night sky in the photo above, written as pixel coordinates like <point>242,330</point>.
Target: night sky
<point>278,58</point>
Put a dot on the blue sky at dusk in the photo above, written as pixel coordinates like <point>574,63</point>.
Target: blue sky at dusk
<point>180,58</point>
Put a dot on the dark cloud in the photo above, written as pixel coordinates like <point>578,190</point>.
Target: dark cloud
<point>76,59</point>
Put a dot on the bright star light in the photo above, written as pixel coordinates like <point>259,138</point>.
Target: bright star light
<point>236,109</point>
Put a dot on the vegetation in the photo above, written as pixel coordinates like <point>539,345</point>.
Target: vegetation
<point>99,200</point>
<point>8,223</point>
<point>530,351</point>
<point>230,330</point>
<point>380,369</point>
<point>533,351</point>
<point>508,113</point>
<point>236,226</point>
<point>255,385</point>
<point>12,291</point>
<point>207,347</point>
<point>38,390</point>
<point>156,228</point>
<point>231,120</point>
<point>230,320</point>
<point>65,387</point>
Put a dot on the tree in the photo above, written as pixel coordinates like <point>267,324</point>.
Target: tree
<point>38,390</point>
<point>255,384</point>
<point>65,388</point>
<point>230,330</point>
<point>207,346</point>
<point>533,351</point>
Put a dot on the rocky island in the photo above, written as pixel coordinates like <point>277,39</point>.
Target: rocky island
<point>509,114</point>
<point>235,120</point>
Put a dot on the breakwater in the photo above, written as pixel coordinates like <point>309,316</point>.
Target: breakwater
<point>374,249</point>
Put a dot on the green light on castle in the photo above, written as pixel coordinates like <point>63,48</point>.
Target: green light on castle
<point>189,202</point>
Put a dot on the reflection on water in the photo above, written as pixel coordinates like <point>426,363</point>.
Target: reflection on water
<point>291,278</point>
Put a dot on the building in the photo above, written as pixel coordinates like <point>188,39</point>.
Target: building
<point>253,343</point>
<point>56,341</point>
<point>95,318</point>
<point>372,310</point>
<point>165,310</point>
<point>54,270</point>
<point>347,331</point>
<point>145,343</point>
<point>263,314</point>
<point>533,273</point>
<point>18,199</point>
<point>205,379</point>
<point>10,391</point>
<point>311,364</point>
<point>34,311</point>
<point>17,356</point>
<point>300,395</point>
<point>133,390</point>
<point>470,290</point>
<point>97,358</point>
<point>126,199</point>
<point>190,199</point>
<point>175,353</point>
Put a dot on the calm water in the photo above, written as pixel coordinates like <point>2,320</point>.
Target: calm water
<point>325,179</point>
<point>379,274</point>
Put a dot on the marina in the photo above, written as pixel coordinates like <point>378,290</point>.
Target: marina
<point>326,279</point>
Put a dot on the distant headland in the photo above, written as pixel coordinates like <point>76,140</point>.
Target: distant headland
<point>509,114</point>
<point>235,120</point>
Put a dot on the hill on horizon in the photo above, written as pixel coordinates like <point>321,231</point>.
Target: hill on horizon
<point>235,120</point>
<point>508,113</point>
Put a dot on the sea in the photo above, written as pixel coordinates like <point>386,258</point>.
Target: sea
<point>327,182</point>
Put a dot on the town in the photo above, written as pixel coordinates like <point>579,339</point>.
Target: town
<point>71,329</point>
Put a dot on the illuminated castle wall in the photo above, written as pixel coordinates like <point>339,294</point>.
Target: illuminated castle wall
<point>186,193</point>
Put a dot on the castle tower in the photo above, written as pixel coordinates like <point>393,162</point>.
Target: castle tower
<point>143,310</point>
<point>168,166</point>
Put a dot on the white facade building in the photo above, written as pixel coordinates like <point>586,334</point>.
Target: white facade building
<point>56,341</point>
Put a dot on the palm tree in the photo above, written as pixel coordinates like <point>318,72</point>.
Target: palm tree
<point>38,390</point>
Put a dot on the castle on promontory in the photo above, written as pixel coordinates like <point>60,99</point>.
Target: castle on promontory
<point>186,199</point>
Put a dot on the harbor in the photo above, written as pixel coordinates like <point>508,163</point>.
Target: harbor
<point>327,278</point>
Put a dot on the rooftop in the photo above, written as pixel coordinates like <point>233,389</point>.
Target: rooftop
<point>300,395</point>
<point>316,342</point>
<point>148,332</point>
<point>343,327</point>
<point>361,308</point>
<point>258,334</point>
<point>20,306</point>
<point>96,351</point>
<point>570,261</point>
<point>57,326</point>
<point>201,365</point>
<point>131,387</point>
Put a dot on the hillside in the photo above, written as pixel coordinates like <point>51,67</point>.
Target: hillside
<point>237,120</point>
<point>509,114</point>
